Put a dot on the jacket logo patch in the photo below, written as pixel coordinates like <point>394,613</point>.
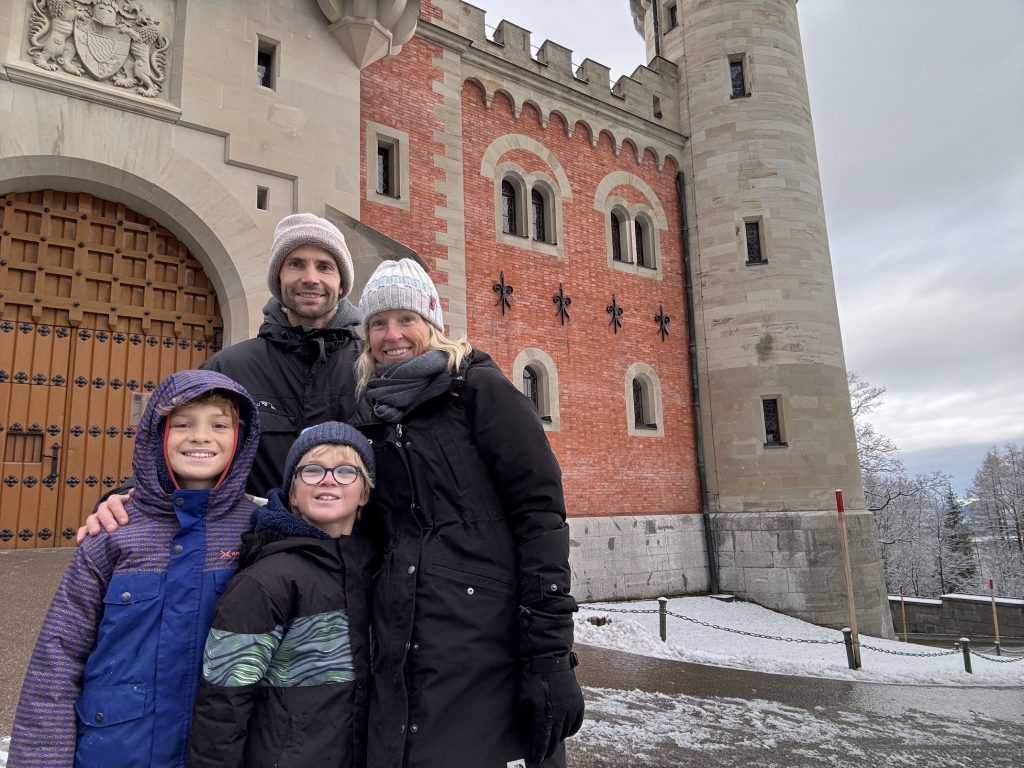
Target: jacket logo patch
<point>520,763</point>
<point>266,405</point>
<point>228,554</point>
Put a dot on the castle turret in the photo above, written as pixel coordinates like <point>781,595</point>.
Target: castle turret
<point>778,434</point>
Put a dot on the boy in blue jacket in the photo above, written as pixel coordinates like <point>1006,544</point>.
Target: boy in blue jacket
<point>113,676</point>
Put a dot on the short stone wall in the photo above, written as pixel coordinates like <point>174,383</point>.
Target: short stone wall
<point>637,556</point>
<point>959,615</point>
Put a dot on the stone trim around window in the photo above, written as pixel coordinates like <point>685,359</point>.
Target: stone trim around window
<point>376,136</point>
<point>547,384</point>
<point>525,183</point>
<point>651,387</point>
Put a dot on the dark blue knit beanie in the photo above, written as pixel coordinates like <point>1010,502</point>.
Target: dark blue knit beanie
<point>328,433</point>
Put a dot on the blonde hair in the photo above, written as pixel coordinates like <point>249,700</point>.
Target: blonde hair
<point>217,399</point>
<point>456,349</point>
<point>344,453</point>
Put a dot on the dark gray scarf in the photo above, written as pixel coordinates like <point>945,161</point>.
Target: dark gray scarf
<point>401,386</point>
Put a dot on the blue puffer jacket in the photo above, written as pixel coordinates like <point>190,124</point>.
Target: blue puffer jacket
<point>113,676</point>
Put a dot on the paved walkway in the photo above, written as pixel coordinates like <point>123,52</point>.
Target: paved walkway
<point>653,712</point>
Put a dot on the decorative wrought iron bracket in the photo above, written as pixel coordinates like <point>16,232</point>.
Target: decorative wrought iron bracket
<point>615,311</point>
<point>562,302</point>
<point>504,294</point>
<point>662,320</point>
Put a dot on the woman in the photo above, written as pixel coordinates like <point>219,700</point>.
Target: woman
<point>472,608</point>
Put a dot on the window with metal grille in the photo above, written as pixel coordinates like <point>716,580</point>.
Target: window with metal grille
<point>530,386</point>
<point>508,208</point>
<point>537,209</point>
<point>616,237</point>
<point>642,406</point>
<point>772,422</point>
<point>384,170</point>
<point>755,253</point>
<point>737,77</point>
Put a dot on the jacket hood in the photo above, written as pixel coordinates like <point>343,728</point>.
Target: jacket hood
<point>275,528</point>
<point>153,486</point>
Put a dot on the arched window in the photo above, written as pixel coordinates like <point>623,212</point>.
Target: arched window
<point>538,215</point>
<point>644,415</point>
<point>531,386</point>
<point>641,256</point>
<point>508,208</point>
<point>616,222</point>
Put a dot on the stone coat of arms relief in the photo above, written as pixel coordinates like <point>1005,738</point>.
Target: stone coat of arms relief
<point>109,40</point>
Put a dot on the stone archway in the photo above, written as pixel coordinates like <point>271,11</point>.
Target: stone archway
<point>97,304</point>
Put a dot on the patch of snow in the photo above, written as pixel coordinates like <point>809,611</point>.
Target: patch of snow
<point>882,662</point>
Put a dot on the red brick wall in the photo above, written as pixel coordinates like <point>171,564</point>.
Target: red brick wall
<point>606,471</point>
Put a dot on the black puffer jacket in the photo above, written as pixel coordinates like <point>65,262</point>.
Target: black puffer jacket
<point>297,377</point>
<point>469,500</point>
<point>287,663</point>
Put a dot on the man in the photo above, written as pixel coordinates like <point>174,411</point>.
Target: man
<point>298,369</point>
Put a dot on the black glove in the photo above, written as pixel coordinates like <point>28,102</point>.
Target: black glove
<point>551,703</point>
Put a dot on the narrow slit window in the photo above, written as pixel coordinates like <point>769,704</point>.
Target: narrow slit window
<point>530,388</point>
<point>755,251</point>
<point>641,247</point>
<point>656,107</point>
<point>262,198</point>
<point>642,407</point>
<point>266,61</point>
<point>673,15</point>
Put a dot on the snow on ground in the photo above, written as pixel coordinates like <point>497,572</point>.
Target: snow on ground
<point>688,641</point>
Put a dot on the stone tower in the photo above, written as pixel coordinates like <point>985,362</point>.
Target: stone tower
<point>778,435</point>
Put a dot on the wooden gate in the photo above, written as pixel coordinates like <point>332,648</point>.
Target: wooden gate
<point>97,305</point>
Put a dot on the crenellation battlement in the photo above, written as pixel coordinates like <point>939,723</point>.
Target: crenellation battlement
<point>554,62</point>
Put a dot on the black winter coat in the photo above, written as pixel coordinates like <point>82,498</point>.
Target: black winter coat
<point>297,377</point>
<point>469,500</point>
<point>287,663</point>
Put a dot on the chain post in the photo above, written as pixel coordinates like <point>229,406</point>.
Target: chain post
<point>965,646</point>
<point>663,618</point>
<point>851,657</point>
<point>998,651</point>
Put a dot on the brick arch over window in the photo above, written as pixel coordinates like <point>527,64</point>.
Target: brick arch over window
<point>547,384</point>
<point>650,422</point>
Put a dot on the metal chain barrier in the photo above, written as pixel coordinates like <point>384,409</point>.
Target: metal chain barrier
<point>715,626</point>
<point>953,652</point>
<point>921,654</point>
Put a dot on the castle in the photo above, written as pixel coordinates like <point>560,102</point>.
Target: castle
<point>647,260</point>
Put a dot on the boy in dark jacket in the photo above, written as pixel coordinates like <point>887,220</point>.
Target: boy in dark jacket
<point>114,672</point>
<point>287,660</point>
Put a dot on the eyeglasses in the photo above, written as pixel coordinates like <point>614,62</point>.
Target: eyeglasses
<point>314,474</point>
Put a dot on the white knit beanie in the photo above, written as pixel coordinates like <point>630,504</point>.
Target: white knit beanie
<point>401,285</point>
<point>307,229</point>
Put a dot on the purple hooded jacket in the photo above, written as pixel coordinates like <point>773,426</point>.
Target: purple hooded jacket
<point>113,676</point>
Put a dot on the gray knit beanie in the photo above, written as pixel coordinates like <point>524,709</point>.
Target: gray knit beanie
<point>401,285</point>
<point>307,229</point>
<point>328,433</point>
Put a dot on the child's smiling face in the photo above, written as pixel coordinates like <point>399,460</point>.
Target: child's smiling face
<point>329,504</point>
<point>200,444</point>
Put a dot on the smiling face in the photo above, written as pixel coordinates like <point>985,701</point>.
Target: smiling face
<point>200,442</point>
<point>397,334</point>
<point>328,505</point>
<point>310,286</point>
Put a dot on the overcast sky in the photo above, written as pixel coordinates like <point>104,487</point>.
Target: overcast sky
<point>918,110</point>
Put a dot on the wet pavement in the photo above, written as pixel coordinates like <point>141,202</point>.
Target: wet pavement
<point>643,711</point>
<point>657,713</point>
